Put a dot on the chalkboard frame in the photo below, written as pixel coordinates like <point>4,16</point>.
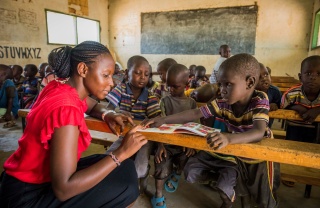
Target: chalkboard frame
<point>189,32</point>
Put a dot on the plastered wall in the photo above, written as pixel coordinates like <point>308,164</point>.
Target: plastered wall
<point>23,28</point>
<point>282,35</point>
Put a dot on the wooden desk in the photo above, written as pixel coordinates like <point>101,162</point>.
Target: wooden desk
<point>282,151</point>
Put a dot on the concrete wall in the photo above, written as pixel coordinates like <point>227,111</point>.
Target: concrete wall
<point>282,36</point>
<point>23,24</point>
<point>315,9</point>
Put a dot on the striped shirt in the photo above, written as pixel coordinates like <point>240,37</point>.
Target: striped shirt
<point>161,90</point>
<point>30,86</point>
<point>146,106</point>
<point>258,109</point>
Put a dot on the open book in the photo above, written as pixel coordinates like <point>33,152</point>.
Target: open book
<point>188,128</point>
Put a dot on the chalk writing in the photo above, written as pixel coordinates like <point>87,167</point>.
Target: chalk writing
<point>8,16</point>
<point>19,52</point>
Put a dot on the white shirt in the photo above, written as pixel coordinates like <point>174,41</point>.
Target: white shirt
<point>213,77</point>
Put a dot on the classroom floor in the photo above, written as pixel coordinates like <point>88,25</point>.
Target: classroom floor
<point>187,195</point>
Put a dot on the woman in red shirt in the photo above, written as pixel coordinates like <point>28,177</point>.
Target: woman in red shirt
<point>46,169</point>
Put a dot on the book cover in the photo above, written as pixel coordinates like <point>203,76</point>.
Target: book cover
<point>188,128</point>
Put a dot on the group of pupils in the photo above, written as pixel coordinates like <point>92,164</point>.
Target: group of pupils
<point>240,101</point>
<point>20,87</point>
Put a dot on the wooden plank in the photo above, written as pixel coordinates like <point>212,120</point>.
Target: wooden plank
<point>284,84</point>
<point>300,174</point>
<point>288,115</point>
<point>284,79</point>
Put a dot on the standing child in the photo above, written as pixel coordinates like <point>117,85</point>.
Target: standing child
<point>245,113</point>
<point>168,155</point>
<point>133,98</point>
<point>273,92</point>
<point>8,98</point>
<point>305,99</point>
<point>30,85</point>
<point>225,52</point>
<point>162,69</point>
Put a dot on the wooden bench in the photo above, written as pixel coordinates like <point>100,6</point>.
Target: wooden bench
<point>284,82</point>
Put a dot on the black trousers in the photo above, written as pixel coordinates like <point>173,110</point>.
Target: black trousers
<point>118,189</point>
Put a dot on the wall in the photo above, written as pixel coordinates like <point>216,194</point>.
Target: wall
<point>315,9</point>
<point>282,37</point>
<point>23,24</point>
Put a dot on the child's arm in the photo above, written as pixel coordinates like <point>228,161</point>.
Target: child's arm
<point>311,114</point>
<point>219,140</point>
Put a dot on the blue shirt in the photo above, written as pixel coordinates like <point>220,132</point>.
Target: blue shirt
<point>4,98</point>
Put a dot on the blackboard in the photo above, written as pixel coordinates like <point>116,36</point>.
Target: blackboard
<point>199,31</point>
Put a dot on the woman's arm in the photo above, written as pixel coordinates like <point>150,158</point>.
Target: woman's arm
<point>66,180</point>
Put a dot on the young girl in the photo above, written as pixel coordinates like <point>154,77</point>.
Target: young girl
<point>245,113</point>
<point>134,100</point>
<point>46,169</point>
<point>9,103</point>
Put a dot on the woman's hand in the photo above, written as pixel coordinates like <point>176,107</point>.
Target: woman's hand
<point>154,122</point>
<point>217,140</point>
<point>160,151</point>
<point>131,143</point>
<point>114,119</point>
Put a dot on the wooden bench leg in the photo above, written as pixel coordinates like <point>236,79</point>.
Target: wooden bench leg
<point>23,121</point>
<point>307,191</point>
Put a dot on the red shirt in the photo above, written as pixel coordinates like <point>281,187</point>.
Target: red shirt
<point>57,105</point>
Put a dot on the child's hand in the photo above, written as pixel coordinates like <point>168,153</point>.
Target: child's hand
<point>273,107</point>
<point>114,119</point>
<point>154,122</point>
<point>189,151</point>
<point>311,114</point>
<point>131,143</point>
<point>160,151</point>
<point>217,140</point>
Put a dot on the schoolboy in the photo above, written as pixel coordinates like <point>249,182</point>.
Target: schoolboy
<point>225,52</point>
<point>42,68</point>
<point>17,76</point>
<point>30,86</point>
<point>133,98</point>
<point>152,85</point>
<point>162,68</point>
<point>167,156</point>
<point>245,113</point>
<point>200,77</point>
<point>305,99</point>
<point>273,92</point>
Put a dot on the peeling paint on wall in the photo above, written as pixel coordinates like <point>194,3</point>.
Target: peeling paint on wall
<point>8,16</point>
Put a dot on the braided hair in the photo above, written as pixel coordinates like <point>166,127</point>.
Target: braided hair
<point>64,60</point>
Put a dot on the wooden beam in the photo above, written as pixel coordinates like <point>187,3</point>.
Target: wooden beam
<point>288,115</point>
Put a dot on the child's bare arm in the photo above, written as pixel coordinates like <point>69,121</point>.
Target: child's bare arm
<point>219,140</point>
<point>183,117</point>
<point>311,114</point>
<point>298,108</point>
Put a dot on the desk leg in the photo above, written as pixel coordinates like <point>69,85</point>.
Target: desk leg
<point>23,121</point>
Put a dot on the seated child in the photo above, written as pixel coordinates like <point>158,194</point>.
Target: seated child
<point>117,76</point>
<point>30,85</point>
<point>17,77</point>
<point>305,99</point>
<point>273,92</point>
<point>133,98</point>
<point>41,71</point>
<point>205,93</point>
<point>225,52</point>
<point>168,155</point>
<point>152,85</point>
<point>200,77</point>
<point>8,98</point>
<point>162,68</point>
<point>48,76</point>
<point>192,69</point>
<point>245,113</point>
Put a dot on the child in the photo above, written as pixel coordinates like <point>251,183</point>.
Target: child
<point>273,92</point>
<point>30,85</point>
<point>200,77</point>
<point>152,85</point>
<point>305,99</point>
<point>133,98</point>
<point>205,93</point>
<point>17,77</point>
<point>245,112</point>
<point>117,76</point>
<point>192,69</point>
<point>8,98</point>
<point>48,76</point>
<point>162,68</point>
<point>167,155</point>
<point>42,68</point>
<point>225,52</point>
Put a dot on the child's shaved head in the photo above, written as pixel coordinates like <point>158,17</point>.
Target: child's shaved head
<point>179,72</point>
<point>135,60</point>
<point>242,64</point>
<point>310,62</point>
<point>166,63</point>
